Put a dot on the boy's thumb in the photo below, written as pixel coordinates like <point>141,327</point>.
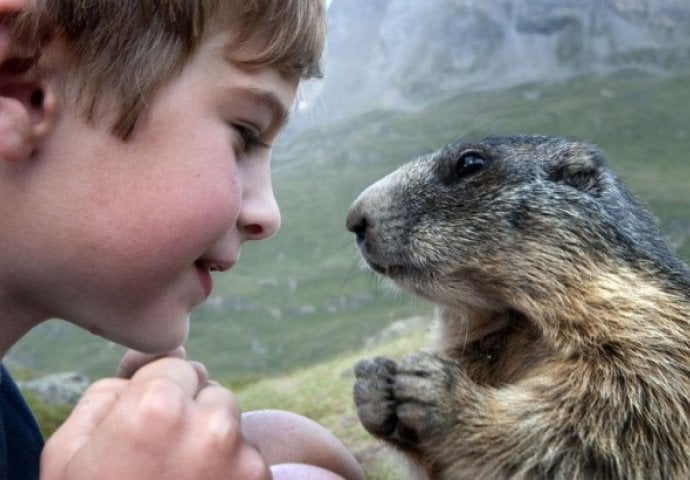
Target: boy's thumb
<point>93,407</point>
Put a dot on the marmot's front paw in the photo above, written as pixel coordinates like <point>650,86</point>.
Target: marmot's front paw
<point>406,401</point>
<point>373,395</point>
<point>426,392</point>
<point>376,403</point>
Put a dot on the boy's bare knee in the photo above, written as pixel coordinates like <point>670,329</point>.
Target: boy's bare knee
<point>273,432</point>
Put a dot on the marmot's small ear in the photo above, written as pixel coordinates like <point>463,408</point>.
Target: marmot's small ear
<point>578,167</point>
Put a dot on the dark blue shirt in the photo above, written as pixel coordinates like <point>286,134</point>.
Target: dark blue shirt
<point>20,438</point>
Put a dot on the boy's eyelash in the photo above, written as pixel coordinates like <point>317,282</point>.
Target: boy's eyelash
<point>250,138</point>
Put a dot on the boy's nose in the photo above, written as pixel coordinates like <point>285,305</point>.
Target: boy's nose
<point>260,215</point>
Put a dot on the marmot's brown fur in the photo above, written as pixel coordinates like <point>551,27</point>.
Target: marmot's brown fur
<point>563,349</point>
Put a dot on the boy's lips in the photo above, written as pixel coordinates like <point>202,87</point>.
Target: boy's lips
<point>205,279</point>
<point>204,269</point>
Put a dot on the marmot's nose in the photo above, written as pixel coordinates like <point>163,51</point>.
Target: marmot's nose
<point>357,222</point>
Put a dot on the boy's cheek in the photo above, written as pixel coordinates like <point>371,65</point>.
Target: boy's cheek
<point>182,229</point>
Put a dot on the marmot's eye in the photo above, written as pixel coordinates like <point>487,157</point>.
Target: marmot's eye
<point>469,162</point>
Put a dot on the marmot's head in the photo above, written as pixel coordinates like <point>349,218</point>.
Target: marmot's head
<point>533,214</point>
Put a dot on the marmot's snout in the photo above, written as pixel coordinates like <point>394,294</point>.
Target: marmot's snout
<point>357,222</point>
<point>369,218</point>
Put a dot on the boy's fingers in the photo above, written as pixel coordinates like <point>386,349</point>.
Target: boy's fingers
<point>188,376</point>
<point>215,396</point>
<point>133,360</point>
<point>95,404</point>
<point>219,419</point>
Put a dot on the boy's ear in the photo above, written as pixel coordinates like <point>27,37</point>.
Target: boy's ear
<point>27,101</point>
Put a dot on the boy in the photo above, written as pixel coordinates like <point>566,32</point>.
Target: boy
<point>135,140</point>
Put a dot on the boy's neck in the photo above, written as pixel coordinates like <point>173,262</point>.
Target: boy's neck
<point>14,324</point>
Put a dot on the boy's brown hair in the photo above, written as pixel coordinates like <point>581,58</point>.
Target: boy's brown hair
<point>127,49</point>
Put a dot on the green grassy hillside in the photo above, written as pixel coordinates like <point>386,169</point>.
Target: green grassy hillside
<point>301,298</point>
<point>323,393</point>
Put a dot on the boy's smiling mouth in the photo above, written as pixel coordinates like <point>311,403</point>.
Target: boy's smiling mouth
<point>204,278</point>
<point>204,269</point>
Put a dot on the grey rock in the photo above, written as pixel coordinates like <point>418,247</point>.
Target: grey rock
<point>57,389</point>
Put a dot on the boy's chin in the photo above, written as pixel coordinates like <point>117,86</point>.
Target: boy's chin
<point>162,346</point>
<point>160,342</point>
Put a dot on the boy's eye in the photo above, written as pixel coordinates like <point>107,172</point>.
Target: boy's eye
<point>250,138</point>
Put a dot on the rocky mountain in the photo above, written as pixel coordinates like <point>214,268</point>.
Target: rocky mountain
<point>403,54</point>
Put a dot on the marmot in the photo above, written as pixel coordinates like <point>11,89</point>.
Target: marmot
<point>563,345</point>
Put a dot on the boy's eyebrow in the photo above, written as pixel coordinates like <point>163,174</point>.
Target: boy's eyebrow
<point>267,99</point>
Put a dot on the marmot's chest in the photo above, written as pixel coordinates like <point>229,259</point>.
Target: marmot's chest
<point>503,357</point>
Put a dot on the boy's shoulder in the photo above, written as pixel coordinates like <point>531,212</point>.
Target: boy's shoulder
<point>20,438</point>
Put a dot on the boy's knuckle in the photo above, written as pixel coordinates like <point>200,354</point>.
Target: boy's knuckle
<point>222,429</point>
<point>161,403</point>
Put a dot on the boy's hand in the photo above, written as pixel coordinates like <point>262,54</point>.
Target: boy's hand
<point>133,361</point>
<point>164,422</point>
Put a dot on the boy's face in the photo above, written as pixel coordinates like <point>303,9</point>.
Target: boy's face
<point>120,237</point>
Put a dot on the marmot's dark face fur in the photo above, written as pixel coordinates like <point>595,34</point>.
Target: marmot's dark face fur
<point>564,313</point>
